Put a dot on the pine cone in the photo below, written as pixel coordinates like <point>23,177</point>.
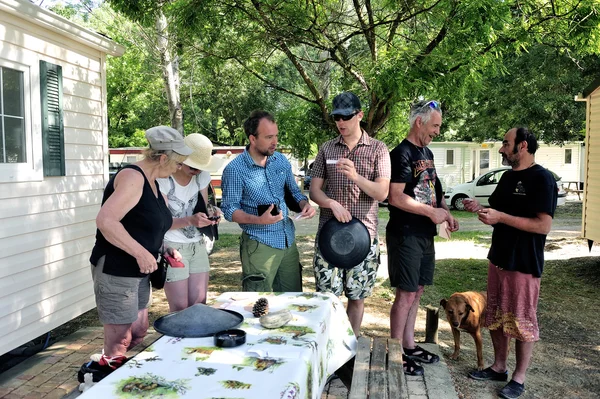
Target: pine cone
<point>261,307</point>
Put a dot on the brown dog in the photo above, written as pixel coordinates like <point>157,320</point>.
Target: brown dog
<point>465,311</point>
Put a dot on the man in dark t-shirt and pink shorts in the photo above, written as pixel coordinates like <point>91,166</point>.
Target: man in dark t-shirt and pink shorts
<point>521,210</point>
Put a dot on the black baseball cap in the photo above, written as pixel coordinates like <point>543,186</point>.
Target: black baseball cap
<point>345,103</point>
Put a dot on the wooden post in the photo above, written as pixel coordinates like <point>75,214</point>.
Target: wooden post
<point>431,324</point>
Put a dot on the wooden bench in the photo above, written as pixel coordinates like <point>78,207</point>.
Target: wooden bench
<point>378,372</point>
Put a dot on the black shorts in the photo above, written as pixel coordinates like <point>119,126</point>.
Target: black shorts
<point>411,261</point>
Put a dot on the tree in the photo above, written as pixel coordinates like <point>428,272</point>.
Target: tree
<point>536,89</point>
<point>151,15</point>
<point>390,53</point>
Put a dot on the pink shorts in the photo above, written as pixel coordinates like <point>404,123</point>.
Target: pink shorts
<point>512,299</point>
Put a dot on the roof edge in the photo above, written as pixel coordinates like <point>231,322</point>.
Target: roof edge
<point>591,88</point>
<point>61,25</point>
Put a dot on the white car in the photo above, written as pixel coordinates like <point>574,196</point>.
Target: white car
<point>483,186</point>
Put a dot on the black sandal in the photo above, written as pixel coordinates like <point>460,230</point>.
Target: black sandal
<point>421,355</point>
<point>410,367</point>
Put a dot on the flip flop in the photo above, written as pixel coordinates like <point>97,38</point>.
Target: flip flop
<point>421,355</point>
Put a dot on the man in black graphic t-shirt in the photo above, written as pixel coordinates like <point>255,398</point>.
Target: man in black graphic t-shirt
<point>416,207</point>
<point>521,210</point>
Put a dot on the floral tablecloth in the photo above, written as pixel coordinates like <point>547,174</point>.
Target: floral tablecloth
<point>290,362</point>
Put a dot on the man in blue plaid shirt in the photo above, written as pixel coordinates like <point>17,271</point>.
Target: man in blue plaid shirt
<point>253,195</point>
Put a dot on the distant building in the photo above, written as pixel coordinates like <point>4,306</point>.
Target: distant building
<point>459,162</point>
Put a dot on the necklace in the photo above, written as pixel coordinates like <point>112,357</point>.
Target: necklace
<point>533,163</point>
<point>421,151</point>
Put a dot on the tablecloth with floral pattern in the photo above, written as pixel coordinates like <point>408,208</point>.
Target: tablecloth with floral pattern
<point>290,362</point>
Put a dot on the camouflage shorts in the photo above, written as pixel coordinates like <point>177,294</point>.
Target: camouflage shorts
<point>357,283</point>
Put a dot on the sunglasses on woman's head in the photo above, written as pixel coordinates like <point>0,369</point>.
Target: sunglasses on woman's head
<point>343,117</point>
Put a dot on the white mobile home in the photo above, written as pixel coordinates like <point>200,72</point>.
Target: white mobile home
<point>53,167</point>
<point>461,161</point>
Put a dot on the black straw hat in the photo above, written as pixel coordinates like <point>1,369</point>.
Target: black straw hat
<point>344,245</point>
<point>198,320</point>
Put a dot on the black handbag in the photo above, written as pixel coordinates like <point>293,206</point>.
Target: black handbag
<point>290,201</point>
<point>159,276</point>
<point>211,231</point>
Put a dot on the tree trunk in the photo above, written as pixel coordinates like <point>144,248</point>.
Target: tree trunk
<point>169,64</point>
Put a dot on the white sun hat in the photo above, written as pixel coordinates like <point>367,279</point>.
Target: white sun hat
<point>202,157</point>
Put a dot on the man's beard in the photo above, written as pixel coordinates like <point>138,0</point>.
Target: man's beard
<point>514,163</point>
<point>266,153</point>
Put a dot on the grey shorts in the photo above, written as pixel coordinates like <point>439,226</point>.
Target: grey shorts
<point>194,257</point>
<point>119,299</point>
<point>411,261</point>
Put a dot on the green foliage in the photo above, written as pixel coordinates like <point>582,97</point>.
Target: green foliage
<point>536,89</point>
<point>137,139</point>
<point>217,97</point>
<point>491,64</point>
<point>143,11</point>
<point>389,53</point>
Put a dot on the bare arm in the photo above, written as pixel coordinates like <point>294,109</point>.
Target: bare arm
<point>198,219</point>
<point>318,195</point>
<point>239,216</point>
<point>540,224</point>
<point>405,202</point>
<point>128,186</point>
<point>307,210</point>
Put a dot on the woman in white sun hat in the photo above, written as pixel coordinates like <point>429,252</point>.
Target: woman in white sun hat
<point>188,285</point>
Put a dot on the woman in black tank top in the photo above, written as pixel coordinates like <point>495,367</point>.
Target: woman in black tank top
<point>132,222</point>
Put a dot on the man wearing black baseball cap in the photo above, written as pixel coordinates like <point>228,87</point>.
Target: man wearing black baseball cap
<point>356,169</point>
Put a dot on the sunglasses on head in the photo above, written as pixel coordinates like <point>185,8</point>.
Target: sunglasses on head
<point>431,104</point>
<point>344,117</point>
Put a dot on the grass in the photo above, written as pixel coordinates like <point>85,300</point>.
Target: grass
<point>478,237</point>
<point>227,241</point>
<point>451,275</point>
<point>384,214</point>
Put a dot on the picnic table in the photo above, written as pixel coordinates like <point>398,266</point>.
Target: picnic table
<point>573,187</point>
<point>293,361</point>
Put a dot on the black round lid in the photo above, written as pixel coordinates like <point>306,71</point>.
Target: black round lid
<point>198,320</point>
<point>230,338</point>
<point>344,245</point>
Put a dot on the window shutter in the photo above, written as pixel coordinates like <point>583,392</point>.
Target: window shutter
<point>51,89</point>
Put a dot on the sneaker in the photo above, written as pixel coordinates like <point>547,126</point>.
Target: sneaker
<point>488,375</point>
<point>512,390</point>
<point>97,371</point>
